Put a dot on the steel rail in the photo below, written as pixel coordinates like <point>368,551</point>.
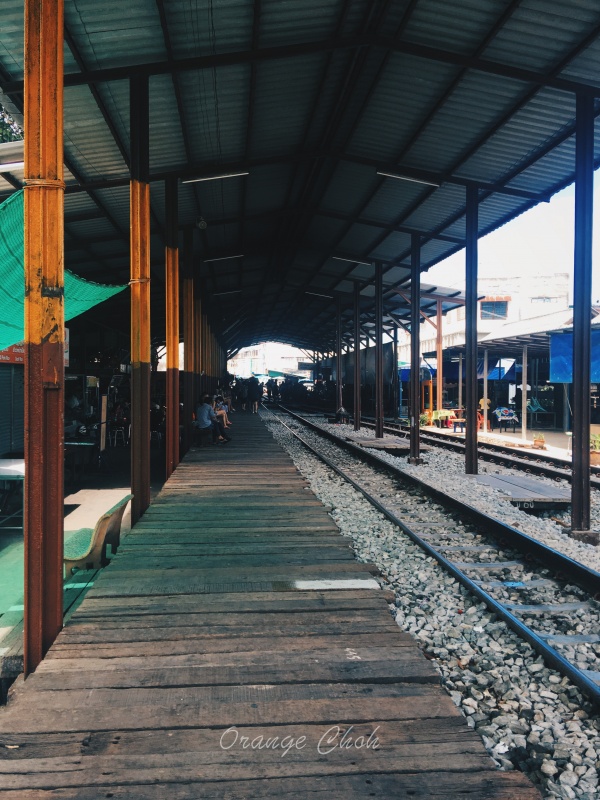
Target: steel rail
<point>496,454</point>
<point>586,576</point>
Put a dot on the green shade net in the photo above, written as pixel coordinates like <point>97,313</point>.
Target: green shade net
<point>80,295</point>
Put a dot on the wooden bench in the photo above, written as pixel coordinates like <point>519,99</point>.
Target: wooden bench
<point>86,548</point>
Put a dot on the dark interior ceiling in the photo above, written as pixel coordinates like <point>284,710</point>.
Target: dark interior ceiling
<point>312,100</point>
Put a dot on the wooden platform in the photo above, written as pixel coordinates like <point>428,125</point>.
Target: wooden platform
<point>526,492</point>
<point>234,648</point>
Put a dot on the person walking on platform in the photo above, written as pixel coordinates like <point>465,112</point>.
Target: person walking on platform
<point>255,393</point>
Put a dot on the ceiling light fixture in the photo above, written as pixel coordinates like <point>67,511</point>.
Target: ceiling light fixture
<point>317,294</point>
<point>216,177</point>
<point>11,166</point>
<point>231,291</point>
<point>352,261</point>
<point>410,180</point>
<point>222,258</point>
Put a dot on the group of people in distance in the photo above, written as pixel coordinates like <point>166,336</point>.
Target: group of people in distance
<point>212,413</point>
<point>248,393</point>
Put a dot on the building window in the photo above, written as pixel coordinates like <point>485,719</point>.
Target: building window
<point>494,309</point>
<point>461,313</point>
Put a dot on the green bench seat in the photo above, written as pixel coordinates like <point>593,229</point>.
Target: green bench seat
<point>86,547</point>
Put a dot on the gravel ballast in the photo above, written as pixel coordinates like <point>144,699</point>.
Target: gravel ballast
<point>529,716</point>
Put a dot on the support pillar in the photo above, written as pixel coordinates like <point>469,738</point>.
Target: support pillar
<point>172,325</point>
<point>524,382</point>
<point>582,302</point>
<point>44,328</point>
<point>439,354</point>
<point>198,344</point>
<point>485,390</point>
<point>396,377</point>
<point>140,296</point>
<point>472,234</point>
<point>379,412</point>
<point>415,349</point>
<point>339,386</point>
<point>357,372</point>
<point>189,343</point>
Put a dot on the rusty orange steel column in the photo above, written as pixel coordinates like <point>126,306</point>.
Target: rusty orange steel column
<point>44,328</point>
<point>172,331</point>
<point>140,297</point>
<point>189,339</point>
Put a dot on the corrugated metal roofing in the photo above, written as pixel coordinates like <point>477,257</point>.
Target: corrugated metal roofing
<point>312,99</point>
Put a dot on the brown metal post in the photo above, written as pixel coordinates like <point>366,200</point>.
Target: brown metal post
<point>357,373</point>
<point>210,357</point>
<point>189,340</point>
<point>415,349</point>
<point>201,333</point>
<point>172,325</point>
<point>205,352</point>
<point>44,328</point>
<point>378,350</point>
<point>199,340</point>
<point>140,296</point>
<point>215,360</point>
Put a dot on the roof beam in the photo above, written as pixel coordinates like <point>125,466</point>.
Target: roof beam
<point>397,45</point>
<point>539,79</point>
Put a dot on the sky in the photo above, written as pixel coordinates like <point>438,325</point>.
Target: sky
<point>539,242</point>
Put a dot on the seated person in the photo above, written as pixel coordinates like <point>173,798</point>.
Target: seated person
<point>206,418</point>
<point>221,410</point>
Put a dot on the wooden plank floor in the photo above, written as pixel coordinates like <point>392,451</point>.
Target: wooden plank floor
<point>236,649</point>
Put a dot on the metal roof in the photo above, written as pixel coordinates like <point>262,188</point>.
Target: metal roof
<point>312,100</point>
<point>532,333</point>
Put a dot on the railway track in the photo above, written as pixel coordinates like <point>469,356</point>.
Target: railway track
<point>540,593</point>
<point>539,464</point>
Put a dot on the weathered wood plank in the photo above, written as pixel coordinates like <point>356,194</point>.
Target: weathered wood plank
<point>238,644</point>
<point>116,742</point>
<point>222,706</point>
<point>482,785</point>
<point>273,602</point>
<point>346,627</point>
<point>276,656</point>
<point>408,668</point>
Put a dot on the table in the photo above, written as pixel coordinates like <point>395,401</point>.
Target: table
<point>12,472</point>
<point>505,417</point>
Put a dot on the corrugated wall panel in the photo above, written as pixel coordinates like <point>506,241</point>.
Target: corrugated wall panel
<point>12,392</point>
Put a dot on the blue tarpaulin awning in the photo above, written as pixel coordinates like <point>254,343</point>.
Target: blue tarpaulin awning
<point>561,357</point>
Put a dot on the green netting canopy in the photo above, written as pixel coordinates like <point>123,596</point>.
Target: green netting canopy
<point>80,295</point>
